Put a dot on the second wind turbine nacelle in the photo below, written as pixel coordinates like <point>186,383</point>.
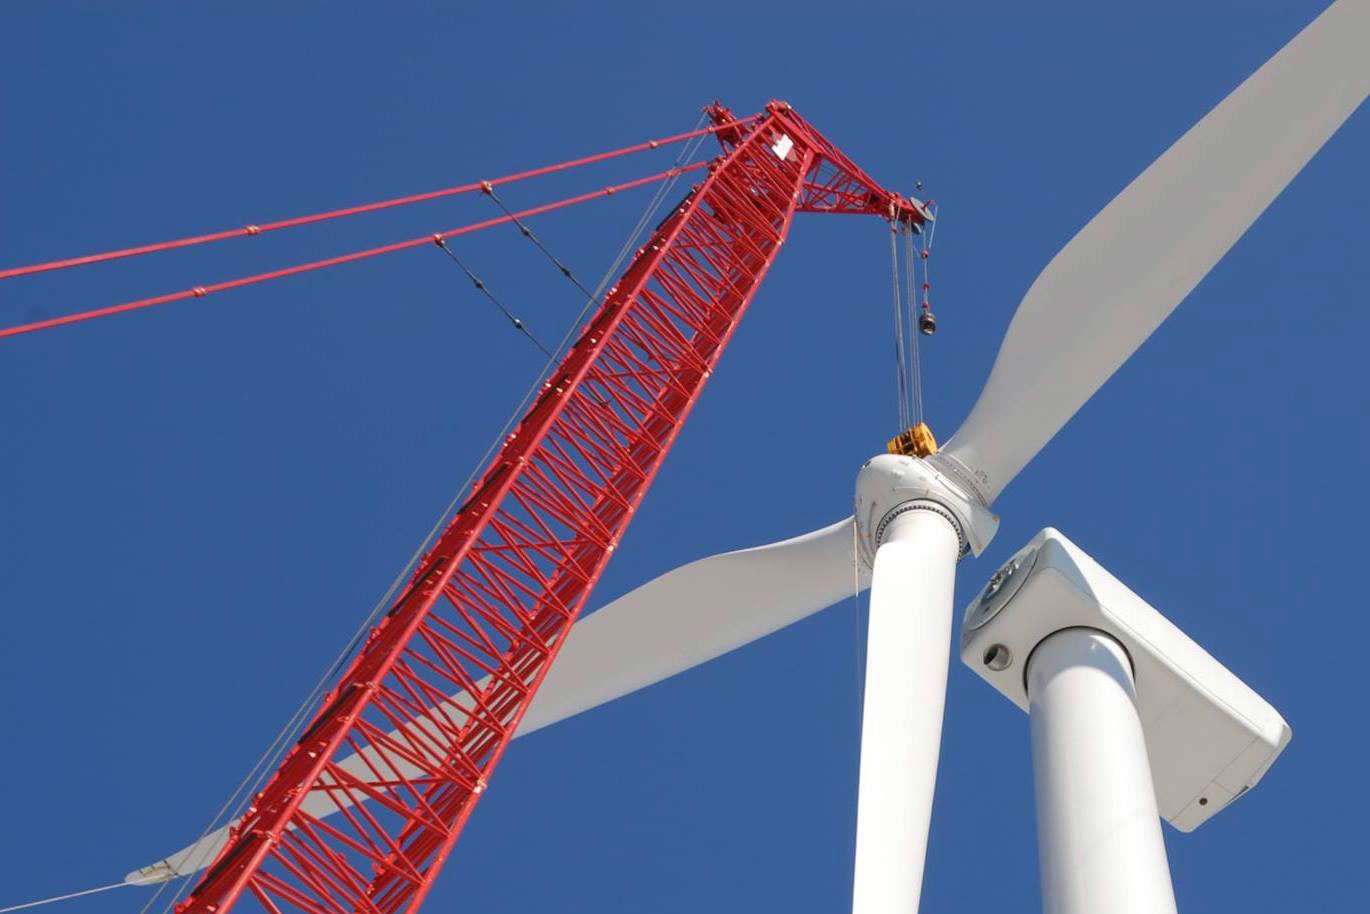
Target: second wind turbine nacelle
<point>1209,736</point>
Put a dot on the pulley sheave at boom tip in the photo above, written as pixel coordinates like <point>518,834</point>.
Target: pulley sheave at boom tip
<point>858,194</point>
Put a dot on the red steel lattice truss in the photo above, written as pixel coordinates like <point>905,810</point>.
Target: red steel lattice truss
<point>489,605</point>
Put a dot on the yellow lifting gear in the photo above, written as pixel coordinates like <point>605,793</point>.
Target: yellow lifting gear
<point>916,442</point>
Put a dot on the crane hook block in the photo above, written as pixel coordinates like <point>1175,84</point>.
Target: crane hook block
<point>916,442</point>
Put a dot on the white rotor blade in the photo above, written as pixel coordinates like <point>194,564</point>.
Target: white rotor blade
<point>901,723</point>
<point>677,621</point>
<point>693,614</point>
<point>1113,284</point>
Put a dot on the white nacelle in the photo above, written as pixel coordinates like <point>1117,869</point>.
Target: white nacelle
<point>1209,737</point>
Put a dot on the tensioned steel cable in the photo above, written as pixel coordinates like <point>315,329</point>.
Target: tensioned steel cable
<point>351,257</point>
<point>56,898</point>
<point>900,375</point>
<point>924,258</point>
<point>515,322</point>
<point>911,304</point>
<point>565,271</point>
<point>528,233</point>
<point>254,230</point>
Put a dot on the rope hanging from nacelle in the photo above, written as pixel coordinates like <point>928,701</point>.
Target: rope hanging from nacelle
<point>915,356</point>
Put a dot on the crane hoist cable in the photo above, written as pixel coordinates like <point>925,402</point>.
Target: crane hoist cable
<point>911,261</point>
<point>927,323</point>
<point>901,379</point>
<point>917,439</point>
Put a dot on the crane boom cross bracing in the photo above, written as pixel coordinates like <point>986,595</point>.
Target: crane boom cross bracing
<point>487,609</point>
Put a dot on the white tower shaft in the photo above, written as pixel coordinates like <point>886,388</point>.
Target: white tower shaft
<point>1098,830</point>
<point>901,728</point>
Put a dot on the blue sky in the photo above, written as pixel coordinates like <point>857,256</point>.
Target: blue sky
<point>203,500</point>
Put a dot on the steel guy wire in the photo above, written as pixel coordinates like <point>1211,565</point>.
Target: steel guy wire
<point>46,901</point>
<point>479,283</point>
<point>528,233</point>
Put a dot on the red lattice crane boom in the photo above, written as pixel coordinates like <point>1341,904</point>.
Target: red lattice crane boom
<point>488,606</point>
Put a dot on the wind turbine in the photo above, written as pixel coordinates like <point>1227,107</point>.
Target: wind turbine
<point>916,516</point>
<point>1131,722</point>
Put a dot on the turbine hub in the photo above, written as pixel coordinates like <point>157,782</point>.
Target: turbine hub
<point>891,484</point>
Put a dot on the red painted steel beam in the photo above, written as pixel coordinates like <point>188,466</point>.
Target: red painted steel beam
<point>490,604</point>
